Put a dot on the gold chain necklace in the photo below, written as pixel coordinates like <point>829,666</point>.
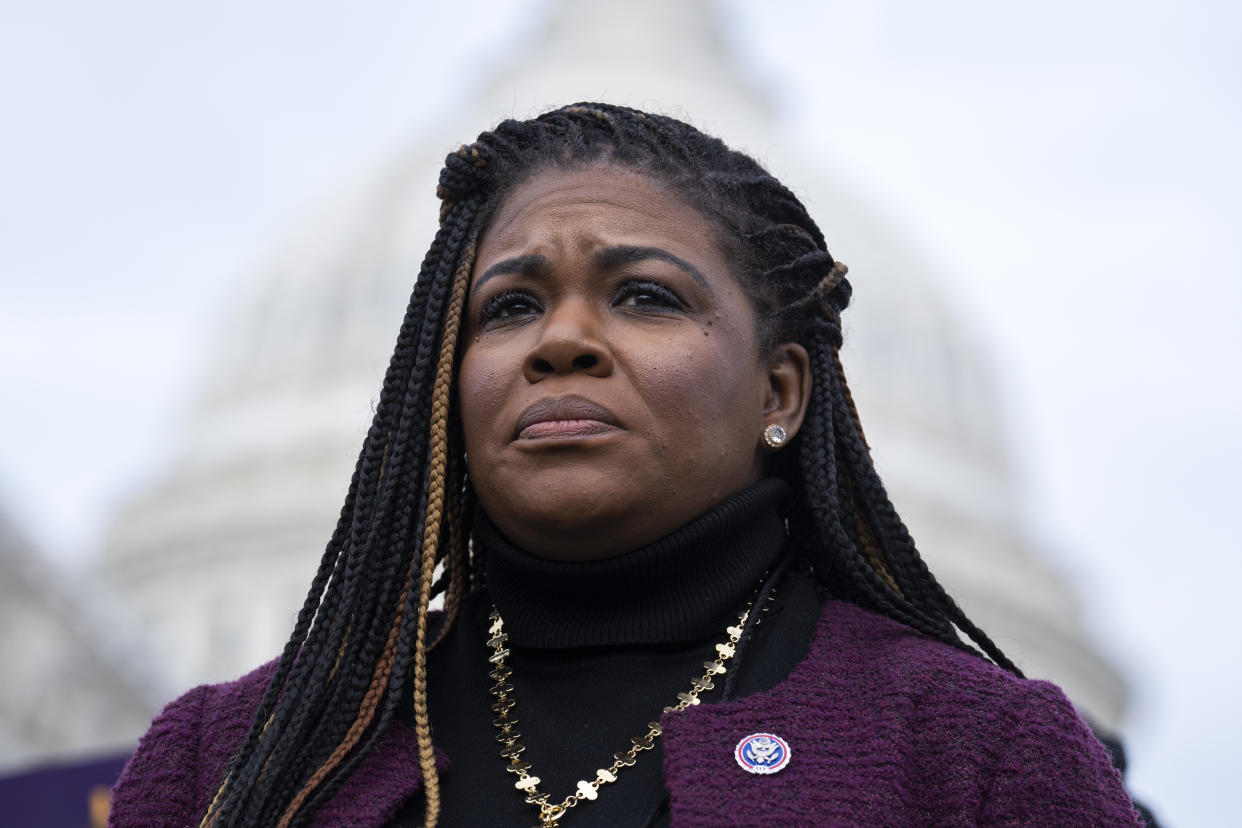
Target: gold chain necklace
<point>549,812</point>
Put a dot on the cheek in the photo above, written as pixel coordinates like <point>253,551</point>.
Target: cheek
<point>709,392</point>
<point>480,390</point>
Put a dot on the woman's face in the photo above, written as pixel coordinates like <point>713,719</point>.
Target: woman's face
<point>611,387</point>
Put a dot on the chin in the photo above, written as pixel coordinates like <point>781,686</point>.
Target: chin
<point>574,524</point>
<point>554,492</point>
<point>571,513</point>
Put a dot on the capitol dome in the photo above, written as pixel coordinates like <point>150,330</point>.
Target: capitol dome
<point>215,560</point>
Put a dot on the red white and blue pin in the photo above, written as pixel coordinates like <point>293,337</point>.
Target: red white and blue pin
<point>762,753</point>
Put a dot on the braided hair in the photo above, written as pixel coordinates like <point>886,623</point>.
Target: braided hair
<point>362,636</point>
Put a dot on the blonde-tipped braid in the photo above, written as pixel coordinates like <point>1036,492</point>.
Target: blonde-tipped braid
<point>432,528</point>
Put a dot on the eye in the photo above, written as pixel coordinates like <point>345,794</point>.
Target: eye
<point>511,304</point>
<point>646,295</point>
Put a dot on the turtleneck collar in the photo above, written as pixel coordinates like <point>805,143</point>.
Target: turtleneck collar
<point>684,587</point>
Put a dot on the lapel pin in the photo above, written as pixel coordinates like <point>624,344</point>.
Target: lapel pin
<point>762,753</point>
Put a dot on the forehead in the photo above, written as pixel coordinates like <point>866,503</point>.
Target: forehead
<point>598,204</point>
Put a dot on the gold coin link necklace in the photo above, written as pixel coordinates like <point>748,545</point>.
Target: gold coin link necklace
<point>505,722</point>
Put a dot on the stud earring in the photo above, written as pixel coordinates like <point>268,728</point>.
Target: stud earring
<point>774,436</point>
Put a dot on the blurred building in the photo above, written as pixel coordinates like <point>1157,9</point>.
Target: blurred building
<point>74,685</point>
<point>214,561</point>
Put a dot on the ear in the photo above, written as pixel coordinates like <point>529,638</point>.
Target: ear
<point>789,387</point>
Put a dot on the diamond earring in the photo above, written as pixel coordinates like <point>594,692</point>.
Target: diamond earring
<point>774,436</point>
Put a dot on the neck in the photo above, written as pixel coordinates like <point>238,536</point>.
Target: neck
<point>684,587</point>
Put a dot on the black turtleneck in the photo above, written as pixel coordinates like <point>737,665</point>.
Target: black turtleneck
<point>597,650</point>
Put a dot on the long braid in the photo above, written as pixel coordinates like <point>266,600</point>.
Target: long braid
<point>430,528</point>
<point>432,532</point>
<point>323,703</point>
<point>412,640</point>
<point>361,640</point>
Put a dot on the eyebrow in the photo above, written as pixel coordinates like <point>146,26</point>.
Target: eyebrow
<point>531,265</point>
<point>534,264</point>
<point>625,254</point>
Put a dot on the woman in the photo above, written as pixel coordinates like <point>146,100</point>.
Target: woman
<point>616,437</point>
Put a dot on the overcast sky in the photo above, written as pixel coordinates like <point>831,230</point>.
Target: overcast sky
<point>1072,166</point>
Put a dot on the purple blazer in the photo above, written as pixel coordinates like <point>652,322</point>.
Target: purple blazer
<point>884,726</point>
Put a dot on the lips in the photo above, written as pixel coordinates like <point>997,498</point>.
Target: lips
<point>564,417</point>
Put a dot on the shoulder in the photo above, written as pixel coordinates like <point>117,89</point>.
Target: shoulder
<point>1033,757</point>
<point>874,649</point>
<point>181,758</point>
<point>943,687</point>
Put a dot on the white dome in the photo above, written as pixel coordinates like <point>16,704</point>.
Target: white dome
<point>217,558</point>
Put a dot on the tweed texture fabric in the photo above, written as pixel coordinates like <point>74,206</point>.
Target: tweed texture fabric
<point>885,727</point>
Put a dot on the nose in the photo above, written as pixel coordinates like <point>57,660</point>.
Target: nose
<point>570,341</point>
